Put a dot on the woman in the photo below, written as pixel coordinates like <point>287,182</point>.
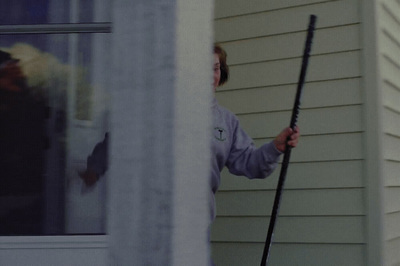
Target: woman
<point>23,142</point>
<point>232,147</point>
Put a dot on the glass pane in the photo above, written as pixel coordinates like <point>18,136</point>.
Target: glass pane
<point>27,12</point>
<point>53,138</point>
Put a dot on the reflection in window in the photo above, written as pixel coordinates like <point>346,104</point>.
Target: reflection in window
<point>53,130</point>
<point>28,12</point>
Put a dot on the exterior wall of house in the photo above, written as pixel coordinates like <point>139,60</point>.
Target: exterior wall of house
<point>389,53</point>
<point>340,205</point>
<point>322,214</point>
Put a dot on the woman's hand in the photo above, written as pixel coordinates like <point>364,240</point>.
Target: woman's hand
<point>289,136</point>
<point>89,176</point>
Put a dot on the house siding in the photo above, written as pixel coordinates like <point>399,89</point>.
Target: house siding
<point>389,29</point>
<point>322,214</point>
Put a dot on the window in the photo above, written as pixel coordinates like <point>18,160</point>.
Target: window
<point>54,106</point>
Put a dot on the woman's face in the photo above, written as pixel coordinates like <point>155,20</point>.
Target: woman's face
<point>217,71</point>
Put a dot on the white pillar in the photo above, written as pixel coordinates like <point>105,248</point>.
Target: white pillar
<point>160,124</point>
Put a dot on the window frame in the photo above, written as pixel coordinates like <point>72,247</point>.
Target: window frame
<point>10,246</point>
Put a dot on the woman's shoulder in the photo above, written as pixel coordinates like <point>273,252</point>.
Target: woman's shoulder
<point>227,115</point>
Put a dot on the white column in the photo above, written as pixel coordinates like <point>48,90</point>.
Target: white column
<point>192,131</point>
<point>160,124</point>
<point>373,136</point>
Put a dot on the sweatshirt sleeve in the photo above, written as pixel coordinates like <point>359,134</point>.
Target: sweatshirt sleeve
<point>245,159</point>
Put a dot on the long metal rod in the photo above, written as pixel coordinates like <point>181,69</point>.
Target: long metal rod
<point>286,157</point>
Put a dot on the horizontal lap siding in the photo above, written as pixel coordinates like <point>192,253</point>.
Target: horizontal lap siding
<point>391,97</point>
<point>287,20</point>
<point>322,67</point>
<point>319,202</point>
<point>392,251</point>
<point>239,254</point>
<point>304,175</point>
<point>321,94</point>
<point>316,121</point>
<point>281,46</point>
<point>322,211</point>
<point>390,73</point>
<point>313,229</point>
<point>240,7</point>
<point>323,147</point>
<point>392,174</point>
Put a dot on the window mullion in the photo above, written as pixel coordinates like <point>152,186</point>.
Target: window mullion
<point>62,28</point>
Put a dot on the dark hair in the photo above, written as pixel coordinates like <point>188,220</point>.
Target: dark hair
<point>4,57</point>
<point>224,66</point>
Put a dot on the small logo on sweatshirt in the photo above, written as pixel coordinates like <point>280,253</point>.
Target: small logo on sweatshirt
<point>220,133</point>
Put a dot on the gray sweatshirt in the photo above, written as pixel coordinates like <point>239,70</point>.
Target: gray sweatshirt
<point>233,148</point>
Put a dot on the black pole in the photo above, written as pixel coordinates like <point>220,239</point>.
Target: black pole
<point>286,157</point>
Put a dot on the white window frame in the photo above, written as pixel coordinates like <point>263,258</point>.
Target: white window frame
<point>61,249</point>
